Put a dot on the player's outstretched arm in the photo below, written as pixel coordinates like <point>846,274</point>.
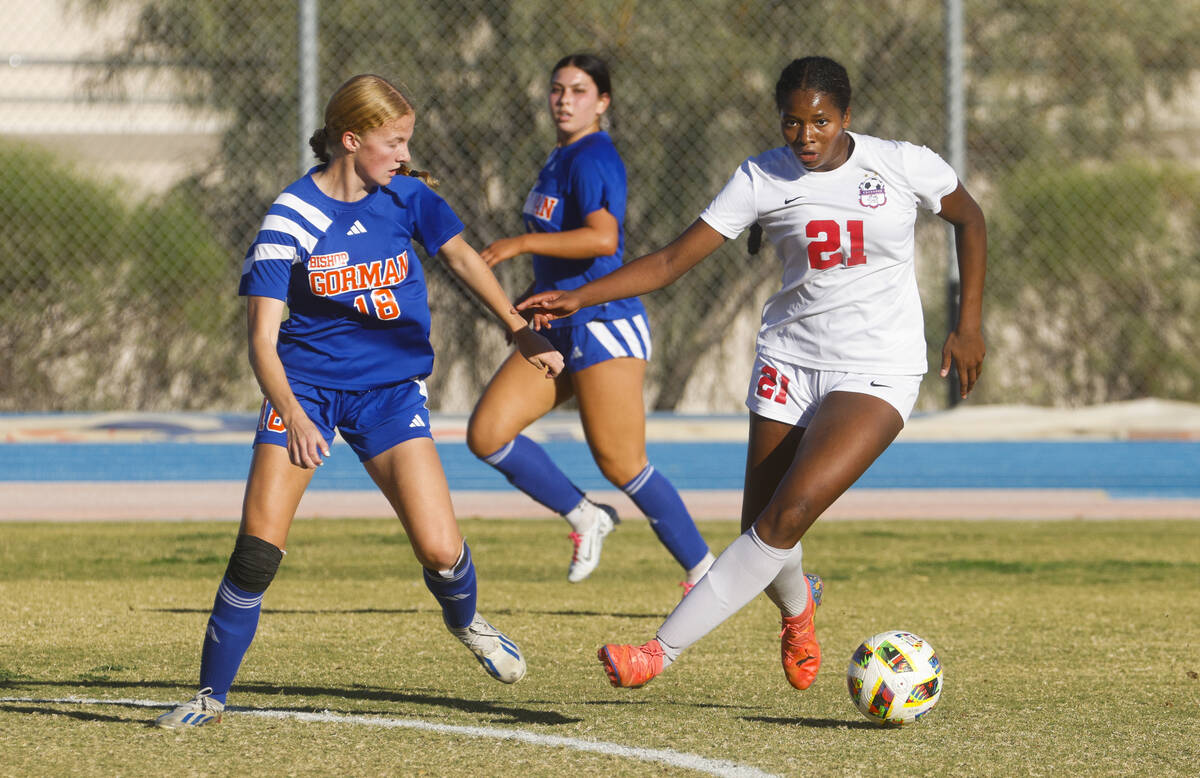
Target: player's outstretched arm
<point>599,236</point>
<point>470,268</point>
<point>644,274</point>
<point>964,347</point>
<point>306,446</point>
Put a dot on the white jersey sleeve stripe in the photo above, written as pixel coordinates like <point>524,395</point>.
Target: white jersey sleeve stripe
<point>288,227</point>
<point>601,333</point>
<point>262,251</point>
<point>631,338</point>
<point>273,251</point>
<point>314,215</point>
<point>639,321</point>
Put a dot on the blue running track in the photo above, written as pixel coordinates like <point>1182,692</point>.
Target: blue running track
<point>1121,468</point>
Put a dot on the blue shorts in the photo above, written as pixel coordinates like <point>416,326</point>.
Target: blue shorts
<point>371,420</point>
<point>584,345</point>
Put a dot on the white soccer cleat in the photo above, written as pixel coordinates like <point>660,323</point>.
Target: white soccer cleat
<point>588,544</point>
<point>494,650</point>
<point>200,710</point>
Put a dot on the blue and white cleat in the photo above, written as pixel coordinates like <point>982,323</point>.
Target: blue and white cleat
<point>200,710</point>
<point>494,650</point>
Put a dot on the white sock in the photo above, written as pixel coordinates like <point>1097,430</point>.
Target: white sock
<point>583,516</point>
<point>696,573</point>
<point>790,589</point>
<point>738,574</point>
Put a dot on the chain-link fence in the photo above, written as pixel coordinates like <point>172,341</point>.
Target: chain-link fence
<point>145,138</point>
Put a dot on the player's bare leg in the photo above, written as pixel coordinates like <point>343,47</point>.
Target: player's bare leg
<point>612,409</point>
<point>518,395</point>
<point>769,456</point>
<point>273,493</point>
<point>613,413</point>
<point>847,434</point>
<point>410,475</point>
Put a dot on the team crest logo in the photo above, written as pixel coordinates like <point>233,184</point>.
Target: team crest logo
<point>871,193</point>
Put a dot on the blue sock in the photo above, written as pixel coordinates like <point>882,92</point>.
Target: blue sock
<point>231,627</point>
<point>669,518</point>
<point>528,467</point>
<point>455,592</point>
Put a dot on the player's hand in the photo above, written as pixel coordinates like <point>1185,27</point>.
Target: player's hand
<point>305,443</point>
<point>526,315</point>
<point>497,252</point>
<point>550,305</point>
<point>965,350</point>
<point>538,351</point>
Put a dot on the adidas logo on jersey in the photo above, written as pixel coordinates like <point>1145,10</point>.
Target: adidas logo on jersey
<point>576,353</point>
<point>417,421</point>
<point>356,228</point>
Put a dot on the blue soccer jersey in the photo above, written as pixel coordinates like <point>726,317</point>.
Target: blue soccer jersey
<point>355,290</point>
<point>577,180</point>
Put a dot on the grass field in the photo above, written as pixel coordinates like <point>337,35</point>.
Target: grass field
<point>1070,648</point>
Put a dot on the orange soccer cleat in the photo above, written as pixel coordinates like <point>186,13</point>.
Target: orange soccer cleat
<point>631,666</point>
<point>798,646</point>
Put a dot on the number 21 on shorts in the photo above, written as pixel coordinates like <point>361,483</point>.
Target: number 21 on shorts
<point>773,386</point>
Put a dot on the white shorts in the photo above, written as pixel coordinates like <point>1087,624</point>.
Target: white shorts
<point>793,393</point>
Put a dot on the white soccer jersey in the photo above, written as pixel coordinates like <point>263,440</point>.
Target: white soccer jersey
<point>849,300</point>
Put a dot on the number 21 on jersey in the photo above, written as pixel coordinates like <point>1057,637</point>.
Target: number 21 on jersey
<point>826,235</point>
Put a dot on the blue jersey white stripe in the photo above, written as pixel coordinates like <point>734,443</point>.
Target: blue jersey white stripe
<point>277,223</point>
<point>352,280</point>
<point>264,251</point>
<point>313,215</point>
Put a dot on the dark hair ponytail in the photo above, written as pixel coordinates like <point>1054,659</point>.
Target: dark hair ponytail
<point>319,143</point>
<point>820,74</point>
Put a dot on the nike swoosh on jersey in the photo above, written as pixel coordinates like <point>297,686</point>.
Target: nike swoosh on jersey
<point>791,200</point>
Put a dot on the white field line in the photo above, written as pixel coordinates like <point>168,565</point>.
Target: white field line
<point>700,764</point>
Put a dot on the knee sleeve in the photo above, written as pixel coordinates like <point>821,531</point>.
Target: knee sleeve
<point>253,564</point>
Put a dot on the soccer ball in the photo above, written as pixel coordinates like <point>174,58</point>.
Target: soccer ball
<point>894,678</point>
